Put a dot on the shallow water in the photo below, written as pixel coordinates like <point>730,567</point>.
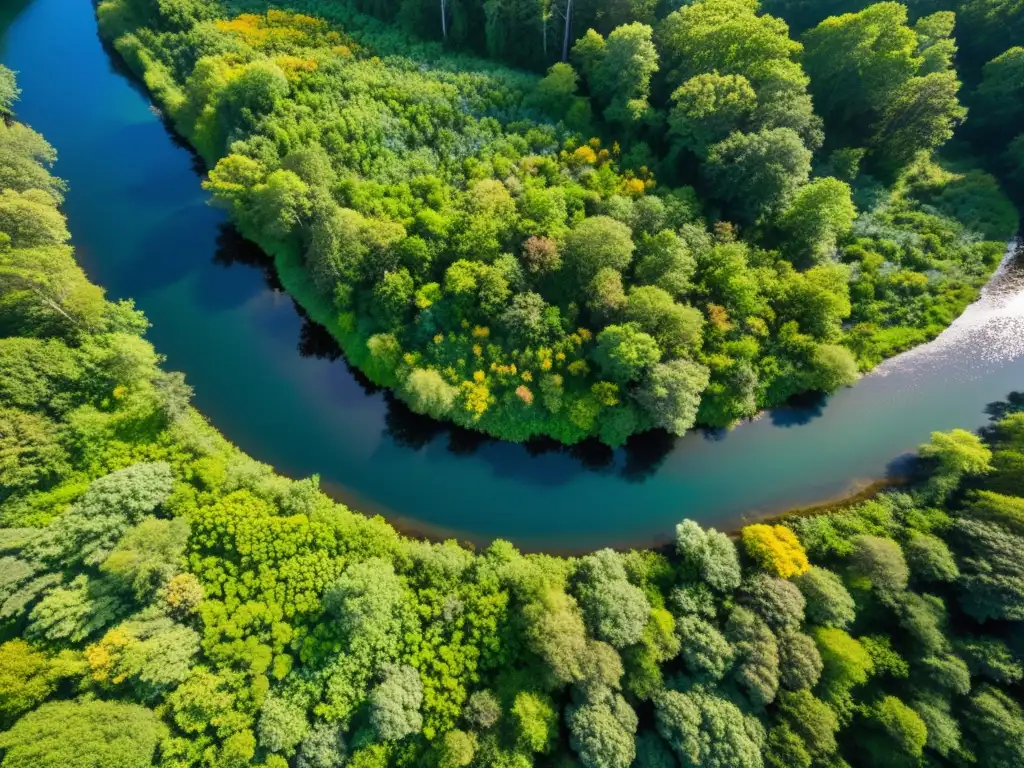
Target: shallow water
<point>273,384</point>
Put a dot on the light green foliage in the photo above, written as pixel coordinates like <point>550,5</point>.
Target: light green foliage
<point>9,91</point>
<point>709,555</point>
<point>625,353</point>
<point>282,725</point>
<point>708,107</point>
<point>151,653</point>
<point>777,601</point>
<point>467,253</point>
<point>957,452</point>
<point>597,242</point>
<point>756,668</point>
<point>429,393</point>
<point>75,612</point>
<point>29,219</point>
<point>28,676</point>
<point>929,558</point>
<point>812,720</point>
<point>904,730</point>
<point>618,70</point>
<point>482,710</point>
<point>880,564</point>
<point>671,394</point>
<point>820,214</point>
<point>80,734</point>
<point>395,704</point>
<point>30,452</point>
<point>456,750</point>
<point>602,733</point>
<point>676,327</point>
<point>705,651</point>
<point>267,624</point>
<point>858,61</point>
<point>148,556</point>
<point>615,611</point>
<point>706,731</point>
<point>535,722</point>
<point>994,727</point>
<point>921,117</point>
<point>89,531</point>
<point>322,747</point>
<point>800,663</point>
<point>846,662</point>
<point>827,602</point>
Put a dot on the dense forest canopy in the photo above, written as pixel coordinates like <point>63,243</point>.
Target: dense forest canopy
<point>167,601</point>
<point>693,215</point>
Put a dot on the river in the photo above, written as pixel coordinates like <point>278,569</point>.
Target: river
<point>273,383</point>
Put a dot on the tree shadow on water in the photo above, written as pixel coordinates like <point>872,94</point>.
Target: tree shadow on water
<point>799,410</point>
<point>1014,403</point>
<point>234,250</point>
<point>645,453</point>
<point>539,460</point>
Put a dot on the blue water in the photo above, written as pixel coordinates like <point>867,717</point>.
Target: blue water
<point>143,229</point>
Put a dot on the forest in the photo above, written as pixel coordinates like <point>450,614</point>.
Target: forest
<point>165,600</point>
<point>686,218</point>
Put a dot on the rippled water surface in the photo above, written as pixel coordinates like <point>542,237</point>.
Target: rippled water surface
<point>273,384</point>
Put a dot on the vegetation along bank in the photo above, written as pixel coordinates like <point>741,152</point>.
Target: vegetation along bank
<point>696,216</point>
<point>167,601</point>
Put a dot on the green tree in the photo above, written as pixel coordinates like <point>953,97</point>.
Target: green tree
<point>708,107</point>
<point>705,651</point>
<point>846,662</point>
<point>920,116</point>
<point>828,603</point>
<point>930,559</point>
<point>676,327</point>
<point>957,452</point>
<point>619,71</point>
<point>535,721</point>
<point>322,747</point>
<point>670,394</point>
<point>615,610</point>
<point>597,242</point>
<point>879,562</point>
<point>775,600</point>
<point>602,733</point>
<point>624,352</point>
<point>28,676</point>
<point>859,61</point>
<point>9,92</point>
<point>427,392</point>
<point>819,215</point>
<point>904,731</point>
<point>996,104</point>
<point>994,728</point>
<point>708,555</point>
<point>83,734</point>
<point>706,731</point>
<point>31,453</point>
<point>757,174</point>
<point>395,704</point>
<point>282,725</point>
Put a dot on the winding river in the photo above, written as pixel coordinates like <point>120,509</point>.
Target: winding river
<point>273,383</point>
